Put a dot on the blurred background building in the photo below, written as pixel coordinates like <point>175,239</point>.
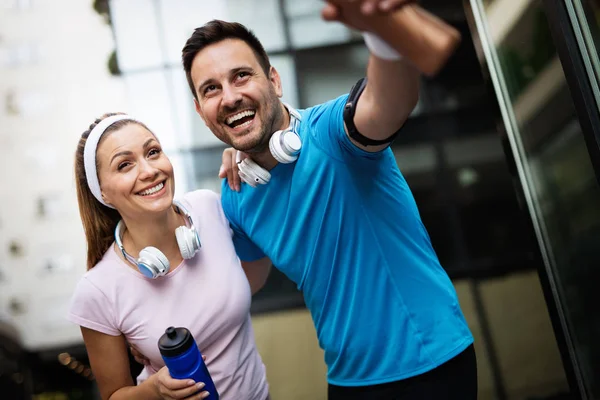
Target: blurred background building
<point>502,154</point>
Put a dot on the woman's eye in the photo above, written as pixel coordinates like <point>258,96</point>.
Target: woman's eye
<point>122,165</point>
<point>154,152</point>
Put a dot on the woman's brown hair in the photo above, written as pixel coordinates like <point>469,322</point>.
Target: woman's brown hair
<point>99,221</point>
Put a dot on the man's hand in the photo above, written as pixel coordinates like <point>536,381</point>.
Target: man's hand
<point>393,84</point>
<point>369,7</point>
<point>332,10</point>
<point>229,169</point>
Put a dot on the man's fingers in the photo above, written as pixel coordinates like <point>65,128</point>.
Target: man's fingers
<point>236,176</point>
<point>389,5</point>
<point>229,167</point>
<point>235,172</point>
<point>330,12</point>
<point>225,163</point>
<point>369,7</point>
<point>232,173</point>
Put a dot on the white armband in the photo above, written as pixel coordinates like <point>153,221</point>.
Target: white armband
<point>379,48</point>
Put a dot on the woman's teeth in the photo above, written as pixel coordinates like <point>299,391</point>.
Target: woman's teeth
<point>152,189</point>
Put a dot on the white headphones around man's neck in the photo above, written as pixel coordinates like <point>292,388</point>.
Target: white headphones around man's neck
<point>151,262</point>
<point>284,146</point>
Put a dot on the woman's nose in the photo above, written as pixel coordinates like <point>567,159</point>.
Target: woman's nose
<point>147,170</point>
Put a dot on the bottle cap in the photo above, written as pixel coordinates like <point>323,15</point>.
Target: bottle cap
<point>175,341</point>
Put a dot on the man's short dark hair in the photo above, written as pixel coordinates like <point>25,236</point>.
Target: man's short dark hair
<point>213,32</point>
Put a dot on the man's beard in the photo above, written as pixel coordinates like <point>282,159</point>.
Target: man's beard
<point>260,143</point>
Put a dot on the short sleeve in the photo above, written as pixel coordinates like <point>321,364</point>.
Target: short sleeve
<point>244,247</point>
<point>91,309</point>
<point>326,125</point>
<point>214,204</point>
<point>222,216</point>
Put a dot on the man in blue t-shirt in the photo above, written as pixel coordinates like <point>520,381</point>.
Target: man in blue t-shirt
<point>326,204</point>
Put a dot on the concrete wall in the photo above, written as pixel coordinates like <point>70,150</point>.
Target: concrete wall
<point>54,82</point>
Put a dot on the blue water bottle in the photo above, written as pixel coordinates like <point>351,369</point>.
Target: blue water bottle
<point>183,359</point>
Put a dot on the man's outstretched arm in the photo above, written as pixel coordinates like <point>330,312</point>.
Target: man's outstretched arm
<point>392,87</point>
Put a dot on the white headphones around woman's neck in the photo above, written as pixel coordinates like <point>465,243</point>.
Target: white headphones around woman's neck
<point>284,146</point>
<point>151,262</point>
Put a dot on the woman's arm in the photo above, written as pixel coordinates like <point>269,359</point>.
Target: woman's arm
<point>257,272</point>
<point>110,365</point>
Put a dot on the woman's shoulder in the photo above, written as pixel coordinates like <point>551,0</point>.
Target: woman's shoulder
<point>104,269</point>
<point>201,196</point>
<point>202,202</point>
<point>93,300</point>
<point>205,205</point>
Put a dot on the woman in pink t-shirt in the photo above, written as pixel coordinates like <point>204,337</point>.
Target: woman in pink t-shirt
<point>192,277</point>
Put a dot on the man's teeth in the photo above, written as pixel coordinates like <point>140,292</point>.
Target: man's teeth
<point>244,124</point>
<point>238,116</point>
<point>152,189</point>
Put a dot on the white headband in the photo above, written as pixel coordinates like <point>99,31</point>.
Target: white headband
<point>89,153</point>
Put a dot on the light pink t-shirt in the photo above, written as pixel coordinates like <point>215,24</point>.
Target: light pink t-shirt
<point>208,294</point>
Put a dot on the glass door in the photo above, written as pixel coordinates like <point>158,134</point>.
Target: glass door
<point>541,60</point>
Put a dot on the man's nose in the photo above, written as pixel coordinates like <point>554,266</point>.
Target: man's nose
<point>231,97</point>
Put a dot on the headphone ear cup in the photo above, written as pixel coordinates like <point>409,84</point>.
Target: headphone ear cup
<point>187,241</point>
<point>278,152</point>
<point>152,262</point>
<point>252,173</point>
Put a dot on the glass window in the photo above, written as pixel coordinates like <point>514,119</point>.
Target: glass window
<point>585,15</point>
<point>179,18</point>
<point>554,165</point>
<point>307,28</point>
<point>263,17</point>
<point>284,64</point>
<point>150,99</point>
<point>139,42</point>
<point>346,64</point>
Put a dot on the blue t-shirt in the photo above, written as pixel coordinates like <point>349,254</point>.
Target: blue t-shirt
<point>343,225</point>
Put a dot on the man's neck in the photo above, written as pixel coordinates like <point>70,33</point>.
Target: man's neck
<point>264,158</point>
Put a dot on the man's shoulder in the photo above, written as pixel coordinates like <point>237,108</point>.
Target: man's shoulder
<point>228,194</point>
<point>314,112</point>
<point>230,199</point>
